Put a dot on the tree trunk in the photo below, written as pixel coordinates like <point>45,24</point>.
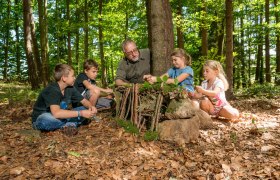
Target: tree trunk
<point>29,43</point>
<point>69,52</point>
<point>204,38</point>
<point>242,57</point>
<point>267,48</point>
<point>229,47</point>
<point>162,36</point>
<point>180,35</point>
<point>277,78</point>
<point>17,40</point>
<point>259,65</point>
<point>148,12</point>
<point>7,36</point>
<point>43,26</point>
<point>101,48</point>
<point>220,39</point>
<point>86,30</point>
<point>77,43</point>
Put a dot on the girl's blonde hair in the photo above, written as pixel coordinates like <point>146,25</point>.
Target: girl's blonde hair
<point>216,66</point>
<point>179,52</point>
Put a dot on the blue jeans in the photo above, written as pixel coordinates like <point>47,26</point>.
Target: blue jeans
<point>46,121</point>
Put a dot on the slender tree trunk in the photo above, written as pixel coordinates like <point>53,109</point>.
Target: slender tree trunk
<point>259,75</point>
<point>277,78</point>
<point>77,43</point>
<point>29,43</point>
<point>17,40</point>
<point>162,36</point>
<point>148,12</point>
<point>44,40</point>
<point>69,59</point>
<point>7,36</point>
<point>101,48</point>
<point>243,64</point>
<point>229,47</point>
<point>220,39</point>
<point>86,30</point>
<point>204,38</point>
<point>267,48</point>
<point>180,35</point>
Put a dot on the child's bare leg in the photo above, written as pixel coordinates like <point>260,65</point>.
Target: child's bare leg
<point>229,112</point>
<point>206,106</point>
<point>95,93</point>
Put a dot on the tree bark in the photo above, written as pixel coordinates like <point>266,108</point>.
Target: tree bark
<point>229,47</point>
<point>7,36</point>
<point>162,36</point>
<point>101,48</point>
<point>277,78</point>
<point>17,41</point>
<point>86,30</point>
<point>43,26</point>
<point>180,35</point>
<point>29,45</point>
<point>267,48</point>
<point>69,51</point>
<point>77,42</point>
<point>204,38</point>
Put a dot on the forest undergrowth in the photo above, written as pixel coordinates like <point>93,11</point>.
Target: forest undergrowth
<point>248,149</point>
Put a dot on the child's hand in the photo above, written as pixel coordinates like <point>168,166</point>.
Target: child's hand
<point>109,91</point>
<point>199,89</point>
<point>88,113</point>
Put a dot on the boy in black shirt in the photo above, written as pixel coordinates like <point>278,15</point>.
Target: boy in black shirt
<point>86,85</point>
<point>50,112</point>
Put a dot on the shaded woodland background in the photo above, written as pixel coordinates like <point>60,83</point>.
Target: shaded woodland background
<point>243,35</point>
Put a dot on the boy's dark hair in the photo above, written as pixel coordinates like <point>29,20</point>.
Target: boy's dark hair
<point>62,70</point>
<point>89,64</point>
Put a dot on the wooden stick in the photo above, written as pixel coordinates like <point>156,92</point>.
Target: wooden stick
<point>123,103</point>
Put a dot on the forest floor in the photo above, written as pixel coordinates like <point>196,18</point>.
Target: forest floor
<point>249,149</point>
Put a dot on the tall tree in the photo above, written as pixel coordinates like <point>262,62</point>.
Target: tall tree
<point>69,59</point>
<point>162,35</point>
<point>101,45</point>
<point>277,79</point>
<point>18,52</point>
<point>259,65</point>
<point>86,30</point>
<point>7,36</point>
<point>267,48</point>
<point>180,35</point>
<point>77,42</point>
<point>229,47</point>
<point>203,29</point>
<point>29,45</point>
<point>43,25</point>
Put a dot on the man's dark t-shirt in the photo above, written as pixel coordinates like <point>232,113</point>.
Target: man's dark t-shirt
<point>52,95</point>
<point>133,72</point>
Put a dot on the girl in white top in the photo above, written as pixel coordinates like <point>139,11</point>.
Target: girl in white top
<point>213,88</point>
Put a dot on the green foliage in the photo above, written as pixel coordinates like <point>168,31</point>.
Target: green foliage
<point>267,90</point>
<point>16,92</point>
<point>128,126</point>
<point>151,135</point>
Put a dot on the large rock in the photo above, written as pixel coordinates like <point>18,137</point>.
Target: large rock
<point>180,131</point>
<point>184,122</point>
<point>180,109</point>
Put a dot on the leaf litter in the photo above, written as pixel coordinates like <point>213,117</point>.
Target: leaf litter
<point>247,149</point>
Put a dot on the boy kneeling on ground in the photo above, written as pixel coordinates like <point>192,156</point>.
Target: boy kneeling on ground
<point>51,110</point>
